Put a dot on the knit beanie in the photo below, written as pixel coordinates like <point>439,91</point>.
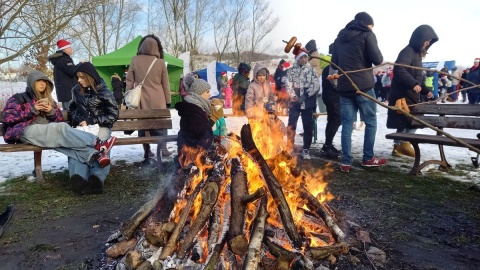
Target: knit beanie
<point>88,68</point>
<point>364,18</point>
<point>194,85</point>
<point>311,46</point>
<point>244,68</point>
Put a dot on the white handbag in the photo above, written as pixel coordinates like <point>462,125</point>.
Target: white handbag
<point>132,97</point>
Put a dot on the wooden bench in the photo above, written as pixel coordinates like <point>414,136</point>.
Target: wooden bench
<point>457,116</point>
<point>128,120</point>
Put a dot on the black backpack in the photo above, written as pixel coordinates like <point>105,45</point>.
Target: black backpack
<point>22,98</point>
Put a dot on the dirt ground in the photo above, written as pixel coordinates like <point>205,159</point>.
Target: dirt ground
<point>426,222</point>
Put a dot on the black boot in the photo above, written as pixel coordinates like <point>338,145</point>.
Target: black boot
<point>78,184</point>
<point>95,185</point>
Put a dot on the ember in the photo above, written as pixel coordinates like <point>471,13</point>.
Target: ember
<point>244,206</point>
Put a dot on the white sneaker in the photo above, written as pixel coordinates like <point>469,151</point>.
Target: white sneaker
<point>306,154</point>
<point>362,126</point>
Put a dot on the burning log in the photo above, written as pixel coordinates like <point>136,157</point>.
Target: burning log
<point>171,246</point>
<point>316,206</point>
<point>215,253</point>
<point>273,186</point>
<point>209,198</point>
<point>134,259</point>
<point>319,253</point>
<point>278,251</point>
<point>121,248</point>
<point>254,254</point>
<point>238,191</point>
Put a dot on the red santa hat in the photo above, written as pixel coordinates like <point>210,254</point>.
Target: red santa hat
<point>300,54</point>
<point>62,44</point>
<point>223,73</point>
<point>286,65</point>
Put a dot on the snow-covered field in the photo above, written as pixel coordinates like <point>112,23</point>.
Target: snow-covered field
<point>21,163</point>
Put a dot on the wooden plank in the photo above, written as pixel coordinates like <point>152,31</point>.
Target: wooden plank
<point>450,122</point>
<point>142,124</point>
<point>147,114</point>
<point>447,109</point>
<point>431,139</point>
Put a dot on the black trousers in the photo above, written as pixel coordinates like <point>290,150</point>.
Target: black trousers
<point>307,120</point>
<point>334,120</point>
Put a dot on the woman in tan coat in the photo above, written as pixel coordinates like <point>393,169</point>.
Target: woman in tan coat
<point>156,87</point>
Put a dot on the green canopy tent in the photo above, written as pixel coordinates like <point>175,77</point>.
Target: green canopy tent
<point>118,61</point>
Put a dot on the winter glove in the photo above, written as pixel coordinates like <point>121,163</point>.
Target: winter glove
<point>216,113</point>
<point>168,105</point>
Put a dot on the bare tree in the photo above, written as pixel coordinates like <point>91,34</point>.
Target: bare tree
<point>223,24</point>
<point>34,24</point>
<point>263,22</point>
<point>240,28</point>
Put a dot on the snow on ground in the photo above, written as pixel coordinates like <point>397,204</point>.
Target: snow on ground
<point>21,163</point>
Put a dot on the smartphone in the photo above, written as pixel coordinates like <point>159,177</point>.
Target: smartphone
<point>43,101</point>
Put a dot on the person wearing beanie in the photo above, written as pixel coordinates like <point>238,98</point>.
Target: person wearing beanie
<point>473,76</point>
<point>240,85</point>
<point>259,92</point>
<point>302,85</point>
<point>156,93</point>
<point>280,89</point>
<point>197,117</point>
<point>408,84</point>
<point>314,61</point>
<point>93,107</point>
<point>356,48</point>
<point>37,120</point>
<point>63,72</point>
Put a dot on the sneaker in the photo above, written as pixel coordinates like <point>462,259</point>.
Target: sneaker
<point>345,168</point>
<point>105,146</point>
<point>78,184</point>
<point>306,154</point>
<point>374,162</point>
<point>103,160</point>
<point>95,185</point>
<point>330,151</point>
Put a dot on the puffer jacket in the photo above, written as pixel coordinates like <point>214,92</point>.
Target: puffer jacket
<point>63,74</point>
<point>356,48</point>
<point>256,92</point>
<point>18,116</point>
<point>93,107</point>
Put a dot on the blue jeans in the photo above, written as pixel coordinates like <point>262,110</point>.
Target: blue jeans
<point>348,108</point>
<point>404,130</point>
<point>84,169</point>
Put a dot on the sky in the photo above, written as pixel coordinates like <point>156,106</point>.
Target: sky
<point>14,164</point>
<point>455,22</point>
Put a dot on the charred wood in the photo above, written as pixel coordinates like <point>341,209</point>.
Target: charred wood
<point>238,191</point>
<point>319,253</point>
<point>273,186</point>
<point>254,253</point>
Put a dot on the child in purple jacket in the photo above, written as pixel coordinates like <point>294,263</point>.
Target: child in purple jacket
<point>36,119</point>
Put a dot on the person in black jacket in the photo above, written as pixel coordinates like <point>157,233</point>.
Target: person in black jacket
<point>408,83</point>
<point>92,104</point>
<point>197,117</point>
<point>356,48</point>
<point>118,87</point>
<point>63,72</point>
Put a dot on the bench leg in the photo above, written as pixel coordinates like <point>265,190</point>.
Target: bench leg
<point>146,149</point>
<point>443,162</point>
<point>37,157</point>
<point>416,164</point>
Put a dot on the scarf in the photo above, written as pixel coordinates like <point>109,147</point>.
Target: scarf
<point>198,100</point>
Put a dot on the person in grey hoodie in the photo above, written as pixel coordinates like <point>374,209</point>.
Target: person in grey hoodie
<point>259,92</point>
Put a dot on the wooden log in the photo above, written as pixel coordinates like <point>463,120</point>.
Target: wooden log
<point>273,186</point>
<point>209,197</point>
<point>279,251</point>
<point>319,253</point>
<point>238,191</point>
<point>315,206</point>
<point>134,259</point>
<point>121,248</point>
<point>171,246</point>
<point>157,234</point>
<point>214,254</point>
<point>259,193</point>
<point>254,253</point>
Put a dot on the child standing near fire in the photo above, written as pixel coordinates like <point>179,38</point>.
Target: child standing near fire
<point>259,93</point>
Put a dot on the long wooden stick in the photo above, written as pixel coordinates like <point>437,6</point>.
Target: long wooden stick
<point>254,253</point>
<point>472,148</point>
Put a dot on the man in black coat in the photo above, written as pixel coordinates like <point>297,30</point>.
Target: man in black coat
<point>63,72</point>
<point>356,48</point>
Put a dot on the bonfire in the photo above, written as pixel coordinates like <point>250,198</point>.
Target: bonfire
<point>242,205</point>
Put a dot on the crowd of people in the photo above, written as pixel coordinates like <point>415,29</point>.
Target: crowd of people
<point>298,89</point>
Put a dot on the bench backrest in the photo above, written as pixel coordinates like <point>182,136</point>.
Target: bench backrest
<point>460,116</point>
<point>137,119</point>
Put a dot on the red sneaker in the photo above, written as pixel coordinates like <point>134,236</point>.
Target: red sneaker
<point>345,168</point>
<point>374,162</point>
<point>103,160</point>
<point>105,146</point>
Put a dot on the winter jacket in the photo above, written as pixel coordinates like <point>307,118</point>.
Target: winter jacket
<point>257,94</point>
<point>117,86</point>
<point>405,78</point>
<point>220,127</point>
<point>302,81</point>
<point>156,87</point>
<point>93,107</point>
<point>474,77</point>
<point>63,75</point>
<point>356,48</point>
<point>195,126</point>
<point>280,74</point>
<point>240,85</point>
<point>18,116</point>
<point>329,93</point>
